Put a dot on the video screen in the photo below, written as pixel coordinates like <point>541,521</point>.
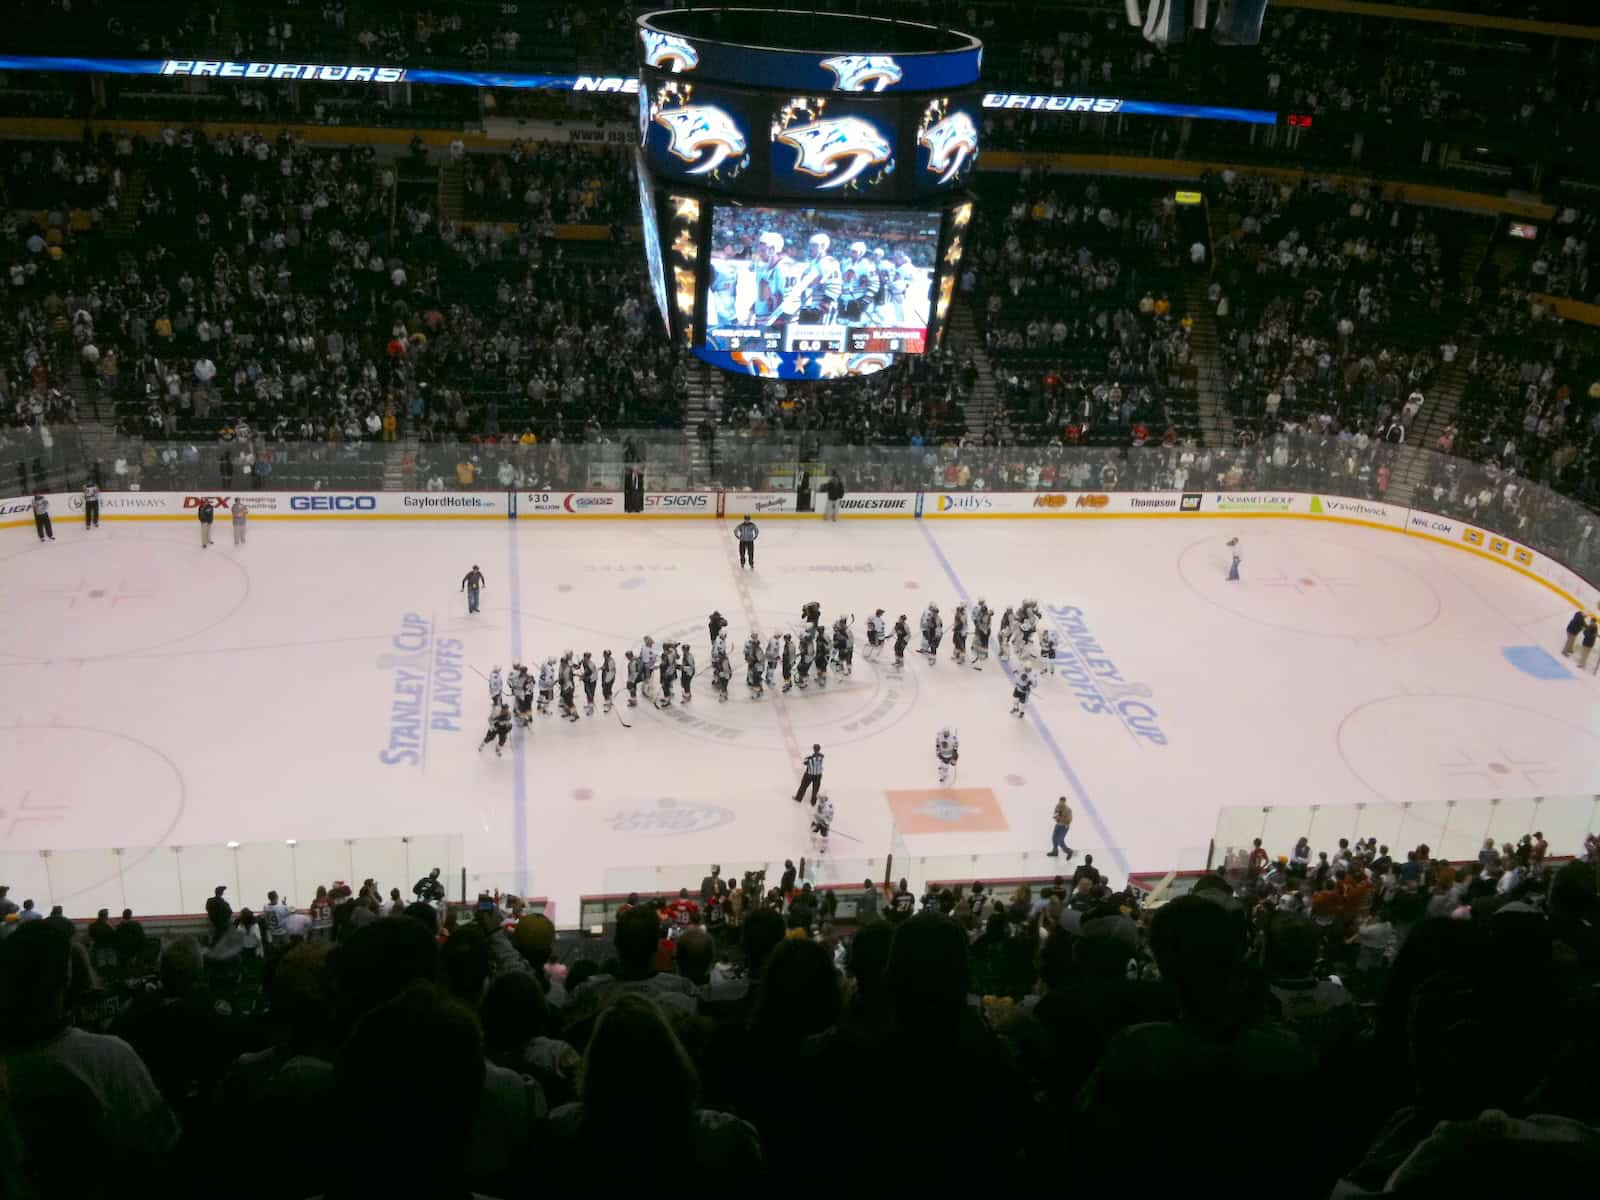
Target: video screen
<point>652,246</point>
<point>827,281</point>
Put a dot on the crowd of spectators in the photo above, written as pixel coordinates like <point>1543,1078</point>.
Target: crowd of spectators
<point>1330,303</point>
<point>1075,283</point>
<point>1334,995</point>
<point>275,295</point>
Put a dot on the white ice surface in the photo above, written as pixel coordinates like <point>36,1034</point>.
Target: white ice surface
<point>156,694</point>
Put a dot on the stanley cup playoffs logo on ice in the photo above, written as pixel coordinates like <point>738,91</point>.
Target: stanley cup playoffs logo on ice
<point>427,676</point>
<point>1096,681</point>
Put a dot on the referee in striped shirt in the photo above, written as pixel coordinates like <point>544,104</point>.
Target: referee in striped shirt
<point>812,778</point>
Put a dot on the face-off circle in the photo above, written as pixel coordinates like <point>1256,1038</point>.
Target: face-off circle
<point>88,600</point>
<point>68,788</point>
<point>873,698</point>
<point>1463,747</point>
<point>1311,586</point>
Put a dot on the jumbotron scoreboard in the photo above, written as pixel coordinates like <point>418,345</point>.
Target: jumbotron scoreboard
<point>803,186</point>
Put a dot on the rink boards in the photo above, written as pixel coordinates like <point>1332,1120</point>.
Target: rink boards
<point>16,513</point>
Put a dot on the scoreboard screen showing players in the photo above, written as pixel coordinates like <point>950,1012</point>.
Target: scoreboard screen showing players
<point>820,280</point>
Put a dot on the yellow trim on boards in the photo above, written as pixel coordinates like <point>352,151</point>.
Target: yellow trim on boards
<point>890,516</point>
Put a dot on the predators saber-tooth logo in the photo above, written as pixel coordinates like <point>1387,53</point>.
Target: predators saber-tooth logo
<point>837,150</point>
<point>863,72</point>
<point>950,144</point>
<point>704,135</point>
<point>669,53</point>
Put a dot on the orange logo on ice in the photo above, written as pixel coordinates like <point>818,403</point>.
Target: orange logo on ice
<point>947,810</point>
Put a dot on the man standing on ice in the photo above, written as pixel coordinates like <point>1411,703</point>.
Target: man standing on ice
<point>472,584</point>
<point>746,533</point>
<point>1233,565</point>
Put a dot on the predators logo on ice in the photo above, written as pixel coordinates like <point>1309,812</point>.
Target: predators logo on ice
<point>837,150</point>
<point>952,145</point>
<point>863,72</point>
<point>669,53</point>
<point>704,136</point>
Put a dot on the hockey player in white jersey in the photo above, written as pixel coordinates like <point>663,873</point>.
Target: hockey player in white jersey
<point>721,675</point>
<point>1047,651</point>
<point>647,668</point>
<point>686,669</point>
<point>1234,559</point>
<point>774,658</point>
<point>877,631</point>
<point>981,618</point>
<point>947,746</point>
<point>1025,682</point>
<point>1027,623</point>
<point>496,687</point>
<point>547,686</point>
<point>821,820</point>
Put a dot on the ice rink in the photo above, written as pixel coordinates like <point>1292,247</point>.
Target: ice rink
<point>318,683</point>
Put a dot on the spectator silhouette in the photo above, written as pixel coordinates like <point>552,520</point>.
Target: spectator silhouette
<point>635,1067</point>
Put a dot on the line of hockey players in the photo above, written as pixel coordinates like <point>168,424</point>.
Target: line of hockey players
<point>971,632</point>
<point>797,659</point>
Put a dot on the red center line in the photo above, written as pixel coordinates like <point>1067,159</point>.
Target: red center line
<point>785,724</point>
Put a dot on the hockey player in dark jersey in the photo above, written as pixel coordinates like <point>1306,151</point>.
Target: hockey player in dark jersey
<point>811,614</point>
<point>1004,640</point>
<point>634,674</point>
<point>589,674</point>
<point>958,634</point>
<point>981,617</point>
<point>608,678</point>
<point>788,661</point>
<point>752,664</point>
<point>820,657</point>
<point>686,670</point>
<point>715,624</point>
<point>803,666</point>
<point>932,633</point>
<point>499,727</point>
<point>843,646</point>
<point>522,694</point>
<point>668,674</point>
<point>566,684</point>
<point>902,635</point>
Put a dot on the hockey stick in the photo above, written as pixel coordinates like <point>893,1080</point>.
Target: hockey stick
<point>480,674</point>
<point>618,710</point>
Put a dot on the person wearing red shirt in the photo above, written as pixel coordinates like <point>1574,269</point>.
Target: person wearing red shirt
<point>1258,861</point>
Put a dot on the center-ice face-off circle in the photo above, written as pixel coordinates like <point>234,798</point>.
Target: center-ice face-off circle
<point>872,699</point>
